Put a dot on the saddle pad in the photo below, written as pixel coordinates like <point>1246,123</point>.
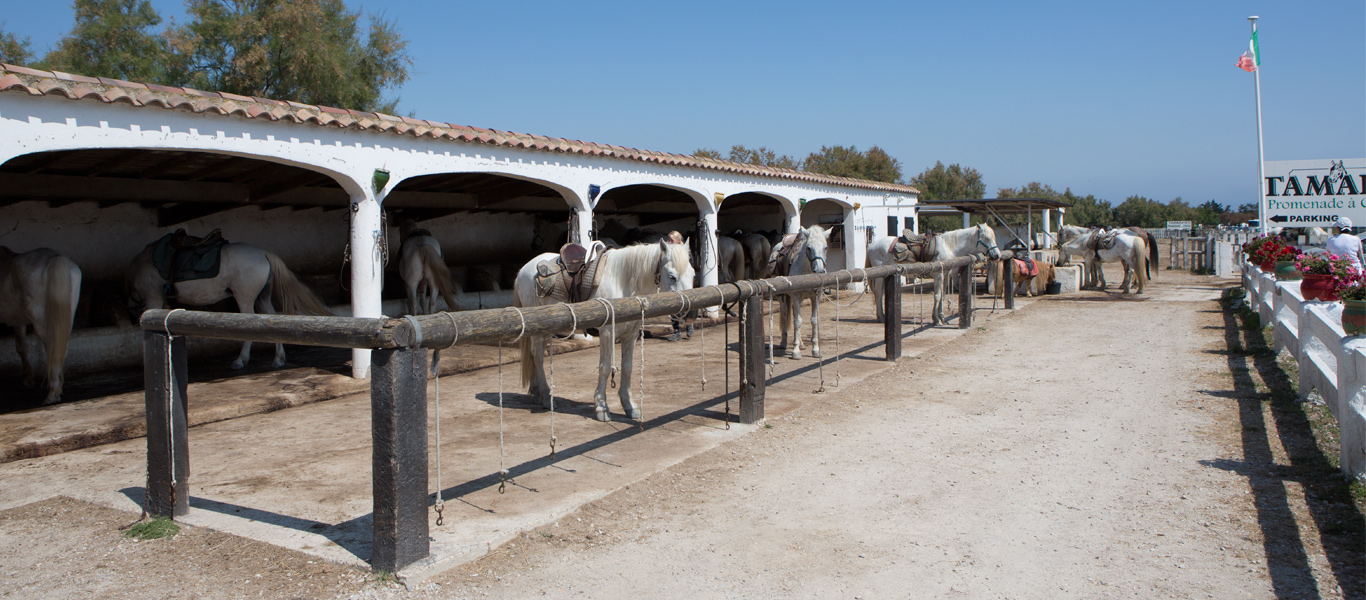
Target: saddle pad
<point>191,263</point>
<point>1028,265</point>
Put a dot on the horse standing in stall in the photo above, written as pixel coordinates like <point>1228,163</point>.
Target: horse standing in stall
<point>730,257</point>
<point>1096,247</point>
<point>941,247</point>
<point>258,280</point>
<point>757,248</point>
<point>638,270</point>
<point>39,289</point>
<point>425,273</point>
<point>801,253</point>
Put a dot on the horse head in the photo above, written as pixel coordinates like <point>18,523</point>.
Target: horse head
<point>986,238</point>
<point>817,244</point>
<point>674,273</point>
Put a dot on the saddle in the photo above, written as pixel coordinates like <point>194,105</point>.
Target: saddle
<point>1029,266</point>
<point>572,276</point>
<point>780,259</point>
<point>1103,240</point>
<point>180,256</point>
<point>913,247</point>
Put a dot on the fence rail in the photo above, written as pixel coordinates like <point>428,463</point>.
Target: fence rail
<point>1329,361</point>
<point>398,389</point>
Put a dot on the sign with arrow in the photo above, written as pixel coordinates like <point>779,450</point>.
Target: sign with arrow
<point>1314,193</point>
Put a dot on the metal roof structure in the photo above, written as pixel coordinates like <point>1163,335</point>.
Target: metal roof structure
<point>1000,206</point>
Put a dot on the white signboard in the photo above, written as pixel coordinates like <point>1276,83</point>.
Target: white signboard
<point>1314,193</point>
<point>1178,224</point>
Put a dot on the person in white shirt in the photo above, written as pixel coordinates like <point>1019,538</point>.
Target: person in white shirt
<point>1345,243</point>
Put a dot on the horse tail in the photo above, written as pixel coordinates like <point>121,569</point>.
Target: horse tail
<point>441,274</point>
<point>291,296</point>
<point>1141,256</point>
<point>1153,263</point>
<point>63,286</point>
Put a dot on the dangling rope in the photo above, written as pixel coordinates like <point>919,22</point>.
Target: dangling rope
<point>611,317</point>
<point>640,342</point>
<point>440,504</point>
<point>550,358</point>
<point>815,327</point>
<point>772,360</point>
<point>835,301</point>
<point>502,453</point>
<point>726,391</point>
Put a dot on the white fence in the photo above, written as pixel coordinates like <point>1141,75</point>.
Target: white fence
<point>1329,361</point>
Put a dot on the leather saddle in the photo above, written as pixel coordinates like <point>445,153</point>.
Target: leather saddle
<point>572,276</point>
<point>780,259</point>
<point>914,247</point>
<point>1103,240</point>
<point>180,256</point>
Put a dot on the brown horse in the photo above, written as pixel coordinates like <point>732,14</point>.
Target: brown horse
<point>1025,283</point>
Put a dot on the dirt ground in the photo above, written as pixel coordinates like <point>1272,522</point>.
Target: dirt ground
<point>1086,446</point>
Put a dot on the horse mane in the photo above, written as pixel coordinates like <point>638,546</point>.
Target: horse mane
<point>634,266</point>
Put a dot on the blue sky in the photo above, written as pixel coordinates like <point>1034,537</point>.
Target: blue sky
<point>1107,98</point>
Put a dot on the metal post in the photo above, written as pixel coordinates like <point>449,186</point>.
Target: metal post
<point>398,429</point>
<point>752,382</point>
<point>1008,282</point>
<point>891,310</point>
<point>965,297</point>
<point>168,442</point>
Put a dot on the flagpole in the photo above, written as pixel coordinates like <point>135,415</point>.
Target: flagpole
<point>1261,151</point>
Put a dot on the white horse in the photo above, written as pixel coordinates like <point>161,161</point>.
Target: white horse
<point>258,280</point>
<point>39,290</point>
<point>807,252</point>
<point>948,245</point>
<point>1129,249</point>
<point>730,257</point>
<point>425,273</point>
<point>638,270</point>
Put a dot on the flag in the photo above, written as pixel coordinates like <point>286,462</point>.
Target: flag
<point>1251,58</point>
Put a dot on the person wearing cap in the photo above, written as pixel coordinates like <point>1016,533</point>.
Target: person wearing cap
<point>1344,243</point>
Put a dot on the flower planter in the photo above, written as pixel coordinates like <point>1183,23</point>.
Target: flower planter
<point>1318,287</point>
<point>1267,265</point>
<point>1354,317</point>
<point>1286,271</point>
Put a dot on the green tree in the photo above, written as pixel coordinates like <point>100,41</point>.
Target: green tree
<point>1143,212</point>
<point>1087,211</point>
<point>113,38</point>
<point>840,161</point>
<point>763,157</point>
<point>954,182</point>
<point>711,153</point>
<point>15,50</point>
<point>305,50</point>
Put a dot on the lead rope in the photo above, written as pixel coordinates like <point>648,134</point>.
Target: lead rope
<point>612,316</point>
<point>640,422</point>
<point>815,327</point>
<point>771,359</point>
<point>725,392</point>
<point>502,469</point>
<point>440,504</point>
<point>550,357</point>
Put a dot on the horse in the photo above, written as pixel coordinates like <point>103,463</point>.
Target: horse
<point>730,258</point>
<point>757,248</point>
<point>41,290</point>
<point>1129,249</point>
<point>1151,241</point>
<point>805,254</point>
<point>1024,282</point>
<point>947,245</point>
<point>425,273</point>
<point>631,271</point>
<point>258,280</point>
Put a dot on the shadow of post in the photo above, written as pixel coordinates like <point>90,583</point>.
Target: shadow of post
<point>1327,495</point>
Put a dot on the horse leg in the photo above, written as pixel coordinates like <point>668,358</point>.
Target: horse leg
<point>877,285</point>
<point>266,306</point>
<point>1128,277</point>
<point>412,298</point>
<point>937,311</point>
<point>795,309</point>
<point>628,364</point>
<point>607,338</point>
<point>21,346</point>
<point>540,386</point>
<point>783,318</point>
<point>816,324</point>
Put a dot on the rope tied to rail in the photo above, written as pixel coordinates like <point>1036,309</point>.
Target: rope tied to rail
<point>815,327</point>
<point>502,453</point>
<point>640,421</point>
<point>440,503</point>
<point>612,318</point>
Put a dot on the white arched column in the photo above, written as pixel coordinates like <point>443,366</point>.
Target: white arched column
<point>367,268</point>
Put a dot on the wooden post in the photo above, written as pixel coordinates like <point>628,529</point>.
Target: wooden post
<point>1008,282</point>
<point>168,442</point>
<point>891,310</point>
<point>965,297</point>
<point>752,381</point>
<point>398,429</point>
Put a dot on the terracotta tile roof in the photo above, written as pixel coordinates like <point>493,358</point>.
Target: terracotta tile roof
<point>79,87</point>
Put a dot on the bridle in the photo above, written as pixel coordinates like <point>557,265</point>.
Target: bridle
<point>812,257</point>
<point>990,247</point>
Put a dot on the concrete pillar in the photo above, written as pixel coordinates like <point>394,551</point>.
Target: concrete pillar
<point>710,275</point>
<point>854,248</point>
<point>967,220</point>
<point>367,269</point>
<point>581,223</point>
<point>1048,227</point>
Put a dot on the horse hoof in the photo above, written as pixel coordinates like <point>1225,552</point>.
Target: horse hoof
<point>794,356</point>
<point>237,365</point>
<point>635,415</point>
<point>604,416</point>
<point>277,365</point>
<point>52,399</point>
<point>815,354</point>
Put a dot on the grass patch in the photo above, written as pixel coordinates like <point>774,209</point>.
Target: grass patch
<point>156,529</point>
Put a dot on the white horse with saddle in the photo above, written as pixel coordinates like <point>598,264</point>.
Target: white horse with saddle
<point>1096,246</point>
<point>595,272</point>
<point>38,293</point>
<point>800,253</point>
<point>213,270</point>
<point>912,248</point>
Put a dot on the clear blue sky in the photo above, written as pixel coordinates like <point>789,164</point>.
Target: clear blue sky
<point>1108,98</point>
